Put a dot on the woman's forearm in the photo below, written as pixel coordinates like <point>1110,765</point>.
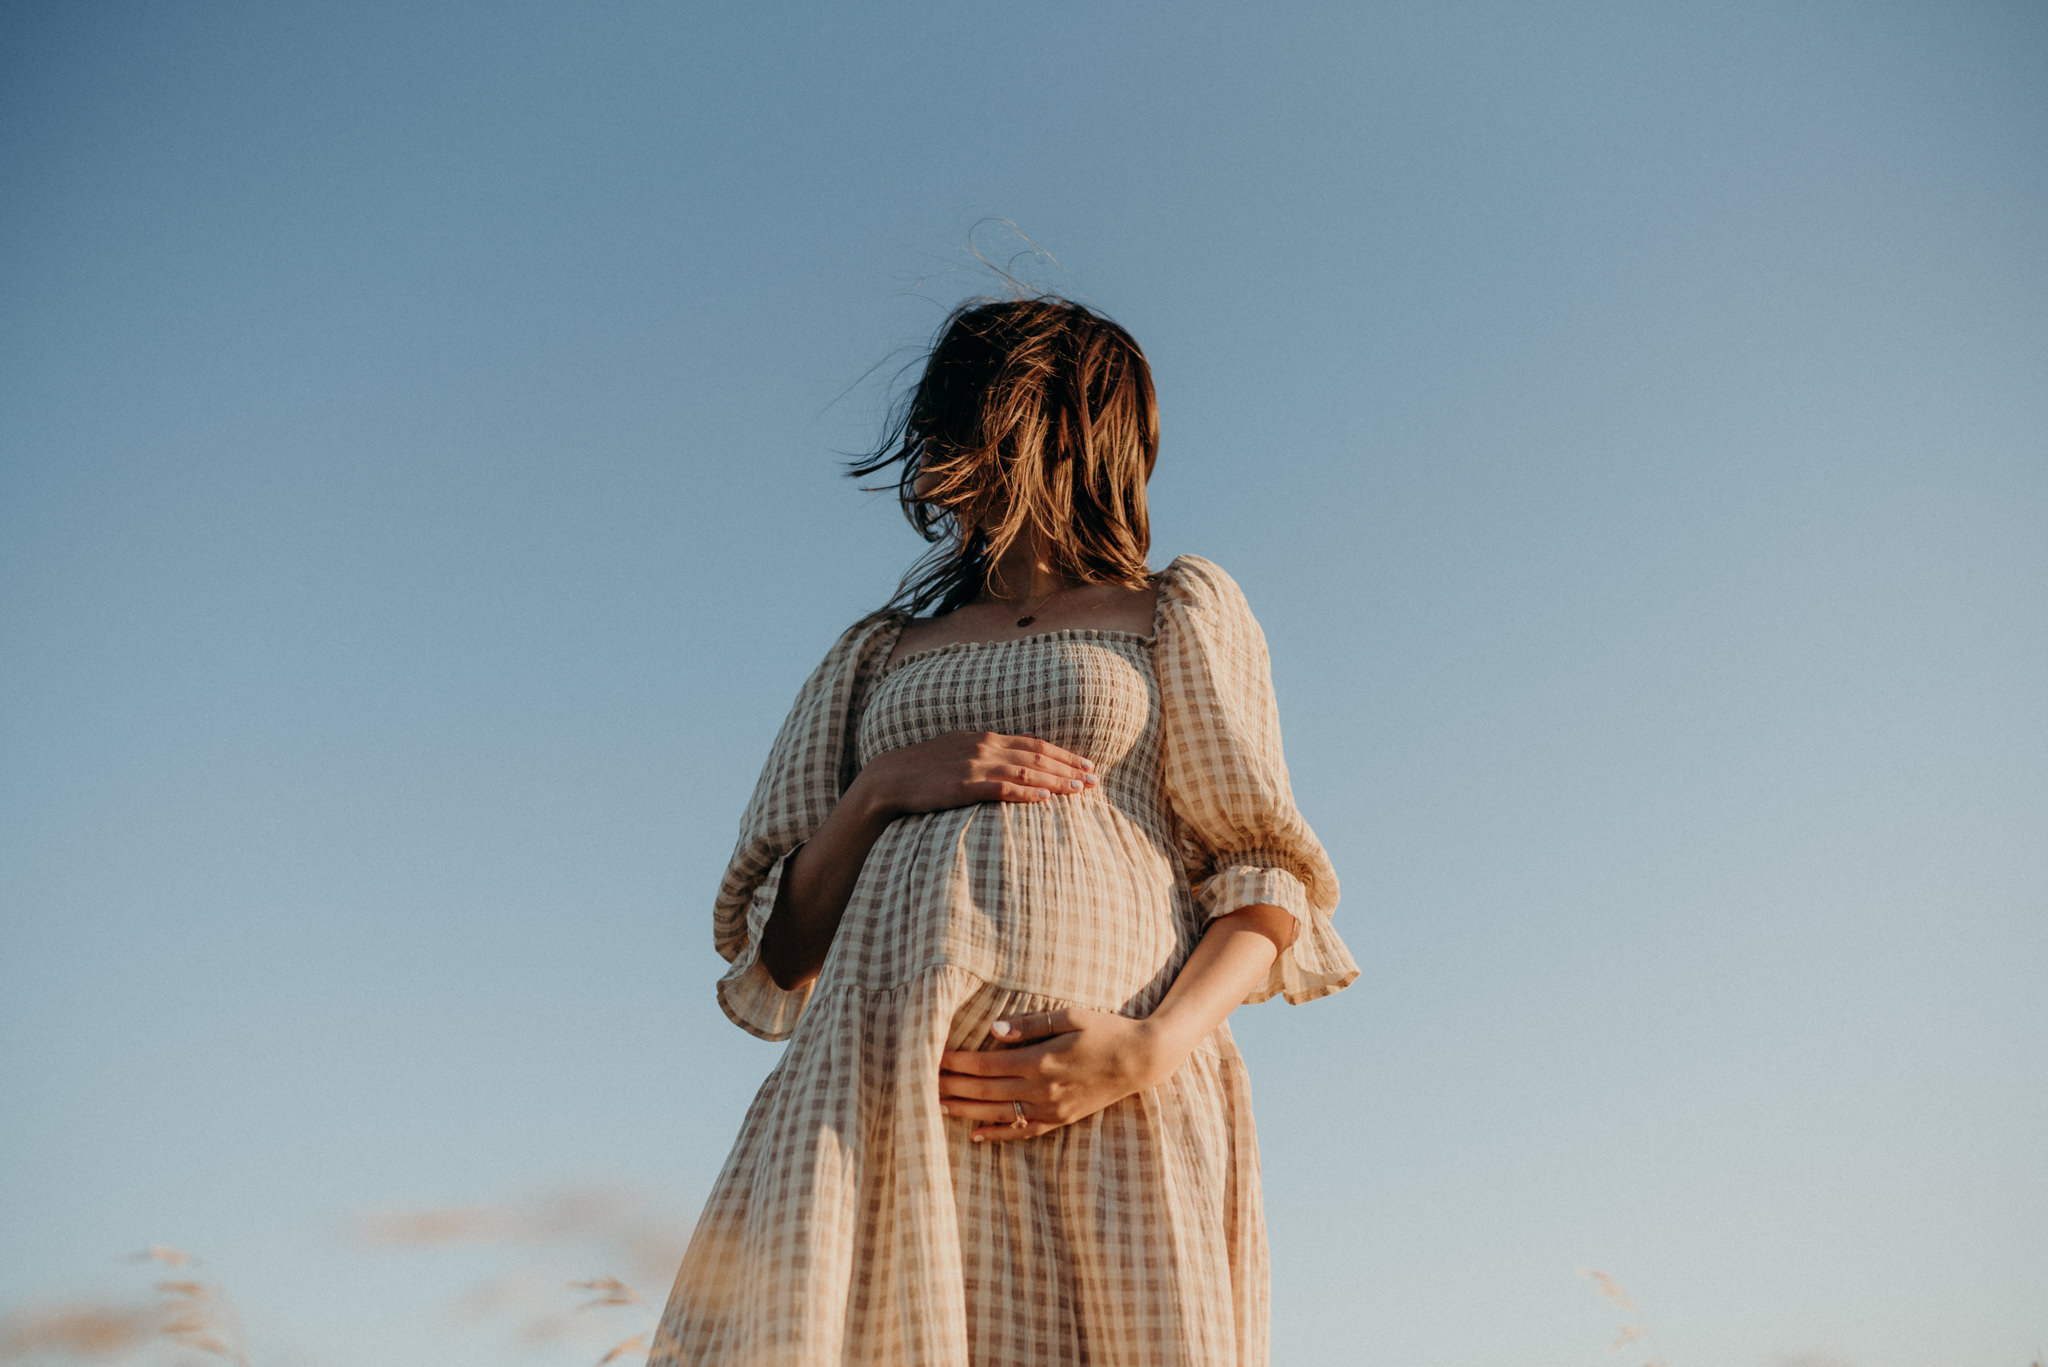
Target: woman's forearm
<point>817,882</point>
<point>953,769</point>
<point>1236,953</point>
<point>1057,1066</point>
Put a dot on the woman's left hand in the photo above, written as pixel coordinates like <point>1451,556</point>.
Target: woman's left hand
<point>1062,1065</point>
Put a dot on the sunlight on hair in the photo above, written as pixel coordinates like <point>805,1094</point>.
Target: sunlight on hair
<point>1035,417</point>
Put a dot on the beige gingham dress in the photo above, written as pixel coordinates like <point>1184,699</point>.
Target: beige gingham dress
<point>854,1223</point>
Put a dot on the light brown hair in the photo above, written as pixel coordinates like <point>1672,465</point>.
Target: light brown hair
<point>1032,414</point>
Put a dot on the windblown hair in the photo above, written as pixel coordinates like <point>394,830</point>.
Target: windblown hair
<point>1032,414</point>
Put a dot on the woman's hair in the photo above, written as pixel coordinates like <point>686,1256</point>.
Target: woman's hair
<point>1032,414</point>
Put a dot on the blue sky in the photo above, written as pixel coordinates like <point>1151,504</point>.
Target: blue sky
<point>418,505</point>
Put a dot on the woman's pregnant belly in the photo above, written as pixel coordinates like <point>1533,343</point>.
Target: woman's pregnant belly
<point>1070,898</point>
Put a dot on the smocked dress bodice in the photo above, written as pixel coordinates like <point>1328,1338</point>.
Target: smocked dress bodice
<point>1079,896</point>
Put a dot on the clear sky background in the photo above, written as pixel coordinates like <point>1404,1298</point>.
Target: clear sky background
<point>418,505</point>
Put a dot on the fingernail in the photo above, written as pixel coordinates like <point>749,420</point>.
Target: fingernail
<point>976,1136</point>
<point>1087,763</point>
<point>945,1110</point>
<point>1002,1028</point>
<point>1090,780</point>
<point>1075,784</point>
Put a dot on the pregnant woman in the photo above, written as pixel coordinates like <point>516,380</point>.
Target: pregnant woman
<point>1024,841</point>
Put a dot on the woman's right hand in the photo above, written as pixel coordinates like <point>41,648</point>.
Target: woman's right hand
<point>960,768</point>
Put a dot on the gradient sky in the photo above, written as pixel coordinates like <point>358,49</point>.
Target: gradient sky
<point>418,504</point>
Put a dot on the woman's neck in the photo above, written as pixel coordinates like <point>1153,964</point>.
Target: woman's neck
<point>1023,572</point>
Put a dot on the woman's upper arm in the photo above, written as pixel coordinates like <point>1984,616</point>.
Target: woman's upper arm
<point>807,767</point>
<point>1226,776</point>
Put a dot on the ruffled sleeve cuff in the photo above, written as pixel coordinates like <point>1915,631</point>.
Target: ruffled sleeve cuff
<point>1317,964</point>
<point>748,995</point>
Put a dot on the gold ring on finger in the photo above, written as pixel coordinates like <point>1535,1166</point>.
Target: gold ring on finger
<point>1022,1120</point>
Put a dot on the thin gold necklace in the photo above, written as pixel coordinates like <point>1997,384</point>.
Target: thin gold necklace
<point>1031,609</point>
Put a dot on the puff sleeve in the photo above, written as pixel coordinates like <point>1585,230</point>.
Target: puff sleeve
<point>808,767</point>
<point>1241,837</point>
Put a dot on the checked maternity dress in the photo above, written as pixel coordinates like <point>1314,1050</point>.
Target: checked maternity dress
<point>853,1222</point>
